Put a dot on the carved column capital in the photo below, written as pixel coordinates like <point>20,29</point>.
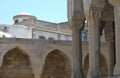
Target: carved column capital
<point>76,24</point>
<point>96,12</point>
<point>114,2</point>
<point>77,21</point>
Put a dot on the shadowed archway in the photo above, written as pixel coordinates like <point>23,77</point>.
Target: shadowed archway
<point>16,64</point>
<point>103,66</point>
<point>57,65</point>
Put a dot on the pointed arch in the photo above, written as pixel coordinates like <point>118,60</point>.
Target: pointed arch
<point>57,65</point>
<point>86,66</point>
<point>103,65</point>
<point>16,64</point>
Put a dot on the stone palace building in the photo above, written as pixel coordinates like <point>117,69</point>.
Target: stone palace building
<point>32,48</point>
<point>87,46</point>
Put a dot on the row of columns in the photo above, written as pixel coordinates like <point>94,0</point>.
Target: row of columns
<point>93,17</point>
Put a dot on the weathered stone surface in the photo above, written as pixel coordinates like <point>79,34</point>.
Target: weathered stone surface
<point>36,53</point>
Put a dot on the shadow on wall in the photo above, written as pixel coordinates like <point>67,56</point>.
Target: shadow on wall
<point>16,64</point>
<point>103,66</point>
<point>57,65</point>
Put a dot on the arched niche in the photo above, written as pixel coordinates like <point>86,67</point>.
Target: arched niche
<point>103,66</point>
<point>16,64</point>
<point>57,65</point>
<point>50,38</point>
<point>42,37</point>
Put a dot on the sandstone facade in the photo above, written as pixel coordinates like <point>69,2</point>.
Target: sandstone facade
<point>39,58</point>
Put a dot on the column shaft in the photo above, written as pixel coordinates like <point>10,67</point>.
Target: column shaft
<point>111,58</point>
<point>117,37</point>
<point>77,54</point>
<point>109,36</point>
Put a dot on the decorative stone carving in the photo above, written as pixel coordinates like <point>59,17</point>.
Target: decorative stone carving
<point>77,24</point>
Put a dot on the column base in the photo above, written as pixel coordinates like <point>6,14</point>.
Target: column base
<point>36,75</point>
<point>94,73</point>
<point>110,71</point>
<point>116,70</point>
<point>78,74</point>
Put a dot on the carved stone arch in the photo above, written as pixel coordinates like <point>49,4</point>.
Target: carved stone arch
<point>57,65</point>
<point>16,64</point>
<point>14,48</point>
<point>103,65</point>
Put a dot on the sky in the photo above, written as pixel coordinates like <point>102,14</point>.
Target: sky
<point>47,10</point>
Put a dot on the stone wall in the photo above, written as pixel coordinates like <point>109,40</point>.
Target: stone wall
<point>39,56</point>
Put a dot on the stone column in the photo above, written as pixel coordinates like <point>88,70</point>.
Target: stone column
<point>77,26</point>
<point>76,19</point>
<point>116,4</point>
<point>37,66</point>
<point>94,42</point>
<point>109,36</point>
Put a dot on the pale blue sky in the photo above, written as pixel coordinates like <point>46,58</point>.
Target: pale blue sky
<point>48,10</point>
